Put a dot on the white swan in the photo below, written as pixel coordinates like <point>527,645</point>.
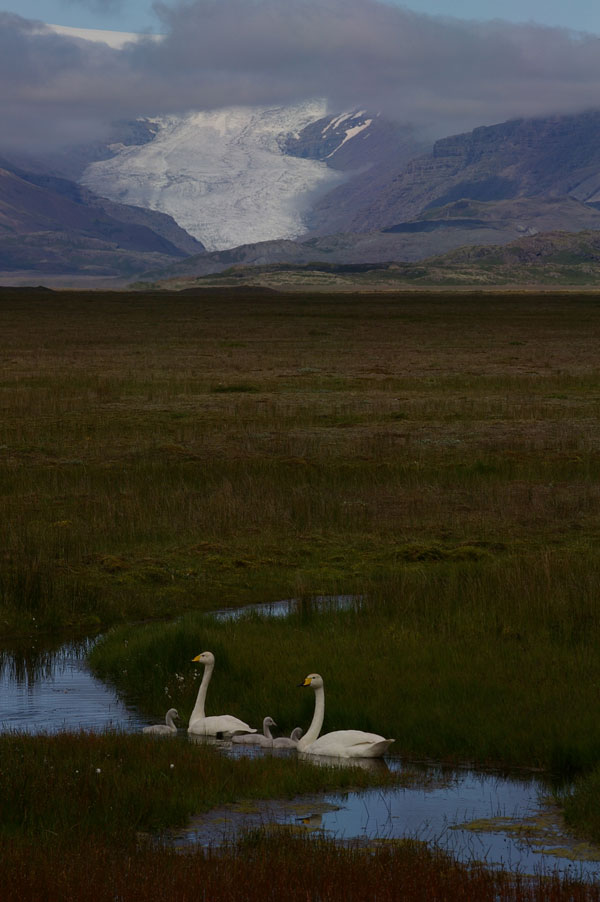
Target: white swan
<point>288,742</point>
<point>341,743</point>
<point>164,729</point>
<point>264,740</point>
<point>222,725</point>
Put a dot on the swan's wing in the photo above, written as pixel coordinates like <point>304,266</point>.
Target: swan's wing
<point>356,737</point>
<point>350,744</point>
<point>225,724</point>
<point>282,742</point>
<point>231,724</point>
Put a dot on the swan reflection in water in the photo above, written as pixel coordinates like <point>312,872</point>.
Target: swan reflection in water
<point>374,765</point>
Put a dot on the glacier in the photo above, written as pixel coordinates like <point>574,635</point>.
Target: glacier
<point>222,175</point>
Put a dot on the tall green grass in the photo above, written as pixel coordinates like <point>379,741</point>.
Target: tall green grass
<point>455,659</point>
<point>579,803</point>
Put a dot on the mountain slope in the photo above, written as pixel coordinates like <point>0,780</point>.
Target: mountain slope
<point>548,157</point>
<point>51,224</point>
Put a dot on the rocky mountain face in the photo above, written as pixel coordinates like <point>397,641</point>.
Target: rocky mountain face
<point>551,157</point>
<point>355,142</point>
<point>50,224</point>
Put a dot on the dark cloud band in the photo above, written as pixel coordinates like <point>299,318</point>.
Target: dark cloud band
<point>443,75</point>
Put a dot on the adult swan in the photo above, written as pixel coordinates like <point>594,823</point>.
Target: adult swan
<point>341,743</point>
<point>222,725</point>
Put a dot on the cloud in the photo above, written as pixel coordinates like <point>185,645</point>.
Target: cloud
<point>444,75</point>
<point>98,6</point>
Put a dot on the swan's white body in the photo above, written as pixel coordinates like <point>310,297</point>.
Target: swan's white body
<point>288,742</point>
<point>224,725</point>
<point>167,728</point>
<point>341,743</point>
<point>263,740</point>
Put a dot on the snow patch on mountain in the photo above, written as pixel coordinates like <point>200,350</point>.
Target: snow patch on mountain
<point>351,133</point>
<point>223,175</point>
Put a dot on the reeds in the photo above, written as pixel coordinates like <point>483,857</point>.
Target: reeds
<point>142,478</point>
<point>77,786</point>
<point>273,867</point>
<point>454,664</point>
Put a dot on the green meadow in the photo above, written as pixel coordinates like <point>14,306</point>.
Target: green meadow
<point>436,455</point>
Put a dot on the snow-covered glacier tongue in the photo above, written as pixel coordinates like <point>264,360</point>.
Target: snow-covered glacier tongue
<point>224,175</point>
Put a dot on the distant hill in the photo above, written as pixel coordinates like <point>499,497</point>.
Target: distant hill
<point>553,259</point>
<point>463,223</point>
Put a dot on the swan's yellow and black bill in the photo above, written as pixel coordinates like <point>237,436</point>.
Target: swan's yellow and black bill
<point>305,682</point>
<point>196,659</point>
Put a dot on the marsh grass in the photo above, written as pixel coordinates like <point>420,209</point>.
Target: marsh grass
<point>162,453</point>
<point>111,786</point>
<point>269,866</point>
<point>458,666</point>
<point>579,803</point>
<point>87,810</point>
<point>437,454</point>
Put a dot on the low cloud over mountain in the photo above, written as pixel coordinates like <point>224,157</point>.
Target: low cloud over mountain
<point>444,75</point>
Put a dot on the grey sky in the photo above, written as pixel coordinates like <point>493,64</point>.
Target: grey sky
<point>445,75</point>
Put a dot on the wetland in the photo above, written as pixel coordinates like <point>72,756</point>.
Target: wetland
<point>435,455</point>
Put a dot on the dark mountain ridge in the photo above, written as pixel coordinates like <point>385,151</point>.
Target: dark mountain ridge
<point>555,156</point>
<point>51,224</point>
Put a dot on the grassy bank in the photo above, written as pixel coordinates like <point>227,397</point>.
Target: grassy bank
<point>438,454</point>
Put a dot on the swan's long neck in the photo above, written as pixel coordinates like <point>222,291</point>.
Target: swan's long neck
<point>317,722</point>
<point>170,720</point>
<point>198,712</point>
<point>267,730</point>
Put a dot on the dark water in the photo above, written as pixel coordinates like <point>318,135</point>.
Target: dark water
<point>50,690</point>
<point>46,689</point>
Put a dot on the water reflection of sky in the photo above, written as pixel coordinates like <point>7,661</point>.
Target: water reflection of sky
<point>50,691</point>
<point>433,811</point>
